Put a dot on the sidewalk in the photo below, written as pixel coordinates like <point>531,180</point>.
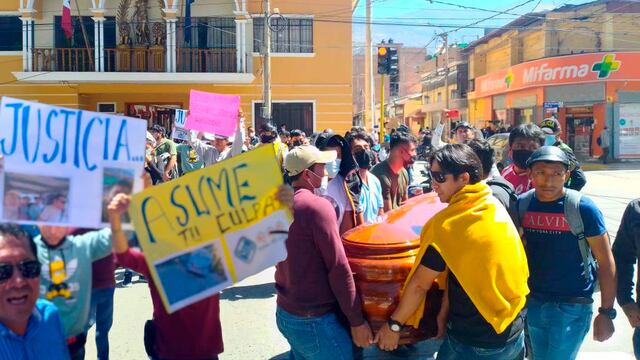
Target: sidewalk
<point>596,165</point>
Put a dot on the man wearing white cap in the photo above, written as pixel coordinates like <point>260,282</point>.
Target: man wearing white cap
<point>216,148</point>
<point>315,285</point>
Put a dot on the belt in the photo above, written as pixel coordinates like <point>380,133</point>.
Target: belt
<point>564,299</point>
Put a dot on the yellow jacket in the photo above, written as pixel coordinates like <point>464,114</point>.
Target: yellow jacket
<point>480,245</point>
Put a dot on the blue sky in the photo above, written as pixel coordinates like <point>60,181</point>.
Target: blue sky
<point>423,12</point>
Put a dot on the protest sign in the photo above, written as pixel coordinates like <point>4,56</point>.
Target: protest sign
<point>213,227</point>
<point>180,134</point>
<point>62,166</point>
<point>213,113</point>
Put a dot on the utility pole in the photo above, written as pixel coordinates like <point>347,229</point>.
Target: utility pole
<point>266,61</point>
<point>447,125</point>
<point>368,70</point>
<point>381,109</point>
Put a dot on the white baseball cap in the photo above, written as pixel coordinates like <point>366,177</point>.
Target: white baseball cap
<point>304,157</point>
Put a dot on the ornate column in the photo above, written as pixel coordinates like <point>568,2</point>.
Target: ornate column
<point>27,13</point>
<point>171,48</point>
<point>98,39</point>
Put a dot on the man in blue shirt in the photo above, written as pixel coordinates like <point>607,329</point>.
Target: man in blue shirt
<point>29,328</point>
<point>560,303</point>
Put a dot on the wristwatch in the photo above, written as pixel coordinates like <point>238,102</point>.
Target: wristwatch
<point>610,312</point>
<point>394,325</point>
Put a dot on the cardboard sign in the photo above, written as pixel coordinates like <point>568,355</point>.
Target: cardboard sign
<point>213,113</point>
<point>63,166</point>
<point>213,227</point>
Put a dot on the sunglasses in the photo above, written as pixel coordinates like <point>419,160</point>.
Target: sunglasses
<point>30,269</point>
<point>439,176</point>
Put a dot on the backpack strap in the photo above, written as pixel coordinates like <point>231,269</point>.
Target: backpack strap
<point>522,205</point>
<point>512,194</point>
<point>573,217</point>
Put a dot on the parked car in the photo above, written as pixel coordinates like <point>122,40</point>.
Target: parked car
<point>500,144</point>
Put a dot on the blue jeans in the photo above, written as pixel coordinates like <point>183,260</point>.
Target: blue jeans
<point>314,338</point>
<point>452,349</point>
<point>102,316</point>
<point>557,329</point>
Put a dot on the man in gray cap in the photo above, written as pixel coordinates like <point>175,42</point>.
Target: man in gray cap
<point>563,232</point>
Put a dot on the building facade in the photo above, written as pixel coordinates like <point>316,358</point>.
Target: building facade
<point>575,63</point>
<point>410,60</point>
<point>434,90</point>
<point>141,58</point>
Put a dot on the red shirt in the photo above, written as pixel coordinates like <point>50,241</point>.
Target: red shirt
<point>193,332</point>
<point>521,182</point>
<point>316,279</point>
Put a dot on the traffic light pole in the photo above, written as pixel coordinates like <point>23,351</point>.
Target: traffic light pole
<point>266,62</point>
<point>381,109</point>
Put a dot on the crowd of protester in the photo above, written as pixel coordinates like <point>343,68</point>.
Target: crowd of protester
<point>520,253</point>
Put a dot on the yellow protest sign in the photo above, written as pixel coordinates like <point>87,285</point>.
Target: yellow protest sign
<point>213,227</point>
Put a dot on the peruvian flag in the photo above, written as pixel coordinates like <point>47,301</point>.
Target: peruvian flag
<point>66,18</point>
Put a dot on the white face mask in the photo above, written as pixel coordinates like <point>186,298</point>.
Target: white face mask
<point>333,168</point>
<point>324,184</point>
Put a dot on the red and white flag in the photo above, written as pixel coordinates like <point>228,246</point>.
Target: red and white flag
<point>66,18</point>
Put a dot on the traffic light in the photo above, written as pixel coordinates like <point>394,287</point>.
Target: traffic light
<point>394,73</point>
<point>383,60</point>
<point>392,59</point>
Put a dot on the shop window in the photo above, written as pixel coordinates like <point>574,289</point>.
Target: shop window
<point>11,28</point>
<point>439,97</point>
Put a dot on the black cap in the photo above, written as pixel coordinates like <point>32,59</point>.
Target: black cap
<point>552,124</point>
<point>548,154</point>
<point>463,124</point>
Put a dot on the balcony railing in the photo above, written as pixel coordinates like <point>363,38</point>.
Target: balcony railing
<point>206,60</point>
<point>135,59</point>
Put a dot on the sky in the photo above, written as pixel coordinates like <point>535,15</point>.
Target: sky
<point>427,14</point>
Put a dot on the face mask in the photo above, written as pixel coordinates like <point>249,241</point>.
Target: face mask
<point>324,184</point>
<point>265,139</point>
<point>333,168</point>
<point>520,158</point>
<point>549,140</point>
<point>364,158</point>
<point>297,143</point>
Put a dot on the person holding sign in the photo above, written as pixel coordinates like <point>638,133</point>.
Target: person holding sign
<point>314,284</point>
<point>193,332</point>
<point>217,149</point>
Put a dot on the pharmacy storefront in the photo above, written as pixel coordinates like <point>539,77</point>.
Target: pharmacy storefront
<point>593,90</point>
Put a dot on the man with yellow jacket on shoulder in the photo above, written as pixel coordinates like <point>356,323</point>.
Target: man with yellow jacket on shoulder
<point>475,249</point>
<point>269,135</point>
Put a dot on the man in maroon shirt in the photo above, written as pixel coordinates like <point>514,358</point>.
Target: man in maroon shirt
<point>191,333</point>
<point>314,284</point>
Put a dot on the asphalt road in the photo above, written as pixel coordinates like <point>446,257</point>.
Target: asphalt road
<point>248,309</point>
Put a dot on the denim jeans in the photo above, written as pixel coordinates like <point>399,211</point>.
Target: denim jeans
<point>557,329</point>
<point>102,316</point>
<point>314,338</point>
<point>452,349</point>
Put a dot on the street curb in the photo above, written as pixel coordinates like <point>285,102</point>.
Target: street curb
<point>591,167</point>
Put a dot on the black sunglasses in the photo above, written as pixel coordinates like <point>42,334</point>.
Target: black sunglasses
<point>29,269</point>
<point>438,176</point>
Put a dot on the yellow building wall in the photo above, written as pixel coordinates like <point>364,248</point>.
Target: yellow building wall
<point>323,78</point>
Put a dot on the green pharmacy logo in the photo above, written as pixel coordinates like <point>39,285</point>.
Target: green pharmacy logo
<point>508,79</point>
<point>607,66</point>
